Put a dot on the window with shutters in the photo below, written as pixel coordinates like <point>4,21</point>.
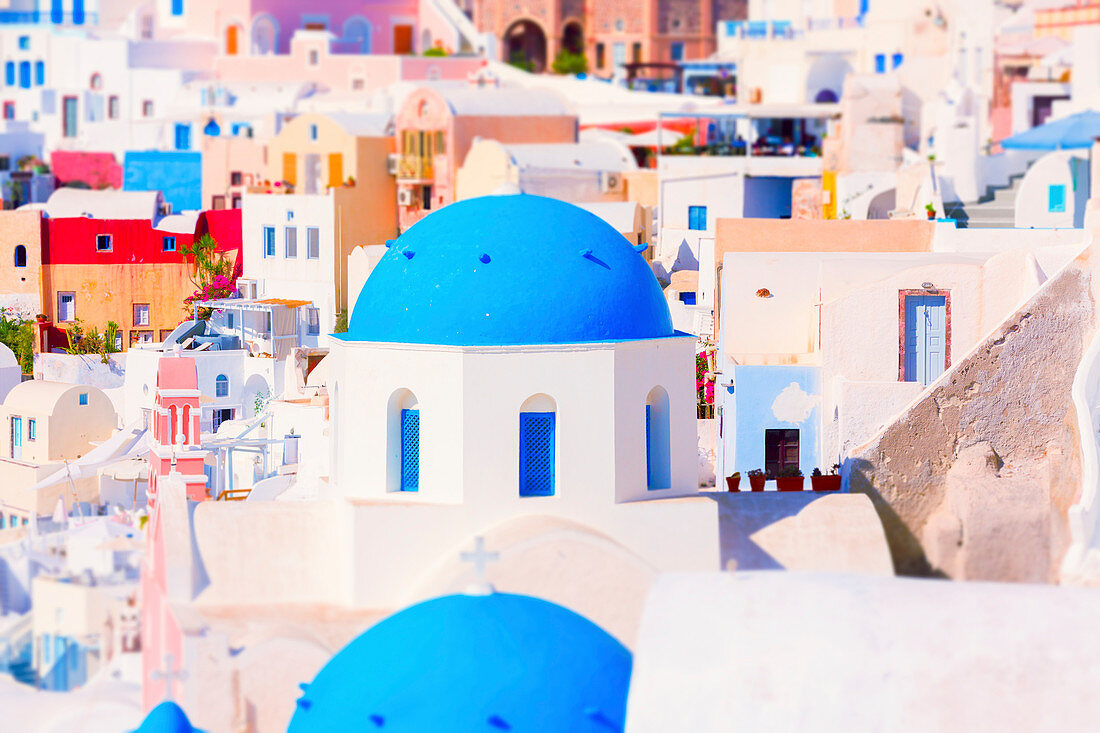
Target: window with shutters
<point>313,243</point>
<point>410,450</point>
<point>657,440</point>
<point>291,240</point>
<point>536,453</point>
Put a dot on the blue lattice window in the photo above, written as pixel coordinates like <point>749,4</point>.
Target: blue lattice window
<point>410,450</point>
<point>536,453</point>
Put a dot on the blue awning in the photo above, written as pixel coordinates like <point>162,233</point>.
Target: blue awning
<point>1075,131</point>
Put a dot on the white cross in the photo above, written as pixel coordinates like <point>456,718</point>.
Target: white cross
<point>480,558</point>
<point>169,674</point>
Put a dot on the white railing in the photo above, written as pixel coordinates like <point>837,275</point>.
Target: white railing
<point>1083,515</point>
<point>16,641</point>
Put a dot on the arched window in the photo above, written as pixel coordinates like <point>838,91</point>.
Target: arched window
<point>537,446</point>
<point>20,256</point>
<point>96,81</point>
<point>404,440</point>
<point>658,474</point>
<point>264,35</point>
<point>356,37</point>
<point>221,386</point>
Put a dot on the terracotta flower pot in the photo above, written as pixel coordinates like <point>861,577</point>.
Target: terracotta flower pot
<point>757,482</point>
<point>789,483</point>
<point>825,483</point>
<point>732,482</point>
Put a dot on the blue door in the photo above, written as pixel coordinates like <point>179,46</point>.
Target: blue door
<point>17,438</point>
<point>68,116</point>
<point>925,337</point>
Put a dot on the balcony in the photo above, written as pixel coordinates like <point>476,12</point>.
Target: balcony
<point>761,30</point>
<point>415,168</point>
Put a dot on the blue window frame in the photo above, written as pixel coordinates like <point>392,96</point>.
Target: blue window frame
<point>697,218</point>
<point>39,73</point>
<point>221,386</point>
<point>24,43</point>
<point>880,63</point>
<point>676,51</point>
<point>648,448</point>
<point>1056,199</point>
<point>25,74</point>
<point>78,12</point>
<point>9,73</point>
<point>83,399</point>
<point>57,12</point>
<point>410,450</point>
<point>32,429</point>
<point>269,241</point>
<point>177,7</point>
<point>168,244</point>
<point>896,60</point>
<point>313,132</point>
<point>183,136</point>
<point>536,453</point>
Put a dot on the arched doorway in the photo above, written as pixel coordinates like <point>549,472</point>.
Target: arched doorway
<point>572,37</point>
<point>264,34</point>
<point>356,38</point>
<point>825,96</point>
<point>525,45</point>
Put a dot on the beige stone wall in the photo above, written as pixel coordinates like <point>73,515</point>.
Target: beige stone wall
<point>974,480</point>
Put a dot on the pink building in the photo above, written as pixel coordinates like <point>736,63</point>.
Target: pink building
<point>175,450</point>
<point>435,127</point>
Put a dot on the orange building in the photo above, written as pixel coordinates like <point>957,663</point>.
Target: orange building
<point>609,32</point>
<point>436,126</point>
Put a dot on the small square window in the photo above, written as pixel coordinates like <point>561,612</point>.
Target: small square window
<point>313,132</point>
<point>290,216</point>
<point>141,314</point>
<point>147,108</point>
<point>32,429</point>
<point>1056,199</point>
<point>357,85</point>
<point>83,399</point>
<point>168,244</point>
<point>697,218</point>
<point>236,178</point>
<point>24,43</point>
<point>103,243</point>
<point>314,57</point>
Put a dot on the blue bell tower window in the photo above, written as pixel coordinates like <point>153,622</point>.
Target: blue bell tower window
<point>536,453</point>
<point>410,450</point>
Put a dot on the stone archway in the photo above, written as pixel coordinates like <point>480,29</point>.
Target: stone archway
<point>572,37</point>
<point>525,44</point>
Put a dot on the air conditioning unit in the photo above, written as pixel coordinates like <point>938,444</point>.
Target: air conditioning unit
<point>393,160</point>
<point>610,181</point>
<point>405,197</point>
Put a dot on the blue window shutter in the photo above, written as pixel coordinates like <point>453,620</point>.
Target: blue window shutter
<point>536,453</point>
<point>880,63</point>
<point>895,62</point>
<point>57,12</point>
<point>78,12</point>
<point>25,74</point>
<point>269,241</point>
<point>183,136</point>
<point>648,451</point>
<point>39,73</point>
<point>410,450</point>
<point>697,218</point>
<point>1056,199</point>
<point>9,73</point>
<point>177,7</point>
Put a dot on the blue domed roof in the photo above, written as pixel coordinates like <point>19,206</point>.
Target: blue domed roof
<point>502,270</point>
<point>168,717</point>
<point>467,663</point>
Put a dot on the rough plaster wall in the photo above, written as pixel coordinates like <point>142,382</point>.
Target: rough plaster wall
<point>1012,392</point>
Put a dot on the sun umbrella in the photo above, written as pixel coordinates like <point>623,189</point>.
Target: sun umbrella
<point>1076,131</point>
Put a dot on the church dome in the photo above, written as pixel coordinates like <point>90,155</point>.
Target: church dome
<point>167,717</point>
<point>496,662</point>
<point>510,270</point>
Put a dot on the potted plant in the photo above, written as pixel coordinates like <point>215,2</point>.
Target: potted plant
<point>827,482</point>
<point>732,482</point>
<point>930,209</point>
<point>40,317</point>
<point>789,479</point>
<point>757,479</point>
